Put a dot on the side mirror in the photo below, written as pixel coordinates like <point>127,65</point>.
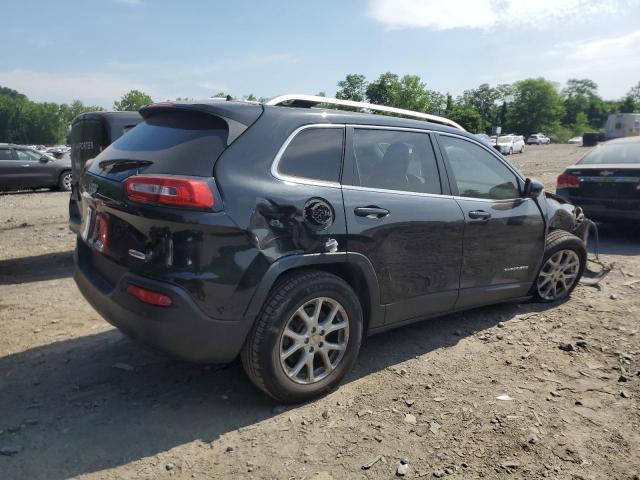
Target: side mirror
<point>44,159</point>
<point>532,188</point>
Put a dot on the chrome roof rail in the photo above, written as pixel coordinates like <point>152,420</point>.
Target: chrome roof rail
<point>311,100</point>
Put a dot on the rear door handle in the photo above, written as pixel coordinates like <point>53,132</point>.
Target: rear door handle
<point>479,215</point>
<point>371,212</point>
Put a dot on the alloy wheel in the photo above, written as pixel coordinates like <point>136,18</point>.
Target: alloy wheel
<point>558,275</point>
<point>66,181</point>
<point>314,340</point>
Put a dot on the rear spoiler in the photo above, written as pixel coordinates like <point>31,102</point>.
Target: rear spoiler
<point>238,115</point>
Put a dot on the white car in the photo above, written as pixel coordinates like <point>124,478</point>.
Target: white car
<point>575,140</point>
<point>509,144</point>
<point>538,139</point>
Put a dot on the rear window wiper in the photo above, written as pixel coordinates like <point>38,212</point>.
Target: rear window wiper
<point>122,164</point>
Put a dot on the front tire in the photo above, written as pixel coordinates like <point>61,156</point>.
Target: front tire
<point>564,261</point>
<point>64,182</point>
<point>306,338</point>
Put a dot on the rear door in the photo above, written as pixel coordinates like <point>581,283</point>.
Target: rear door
<point>401,218</point>
<point>504,234</point>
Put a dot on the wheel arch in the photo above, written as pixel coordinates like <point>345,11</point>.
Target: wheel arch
<point>353,268</point>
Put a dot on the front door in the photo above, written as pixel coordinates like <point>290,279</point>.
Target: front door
<point>401,219</point>
<point>504,233</point>
<point>35,172</point>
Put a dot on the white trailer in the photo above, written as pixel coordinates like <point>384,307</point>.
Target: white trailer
<point>622,125</point>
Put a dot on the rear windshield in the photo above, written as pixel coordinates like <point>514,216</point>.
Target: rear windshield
<point>176,142</point>
<point>614,153</point>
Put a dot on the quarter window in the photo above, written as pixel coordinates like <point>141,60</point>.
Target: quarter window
<point>395,160</point>
<point>5,154</point>
<point>478,174</point>
<point>314,153</point>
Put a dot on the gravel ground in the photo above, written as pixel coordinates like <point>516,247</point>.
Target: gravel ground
<point>482,394</point>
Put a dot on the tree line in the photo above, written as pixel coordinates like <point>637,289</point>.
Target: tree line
<point>26,122</point>
<point>523,107</point>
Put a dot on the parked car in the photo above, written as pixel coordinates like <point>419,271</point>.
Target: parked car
<point>90,134</point>
<point>285,234</point>
<point>538,139</point>
<point>606,181</point>
<point>575,140</point>
<point>22,167</point>
<point>510,144</point>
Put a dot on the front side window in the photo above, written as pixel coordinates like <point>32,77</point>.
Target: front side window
<point>477,173</point>
<point>5,154</point>
<point>395,160</point>
<point>314,153</point>
<point>28,155</point>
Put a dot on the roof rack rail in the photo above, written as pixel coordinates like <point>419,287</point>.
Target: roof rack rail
<point>301,100</point>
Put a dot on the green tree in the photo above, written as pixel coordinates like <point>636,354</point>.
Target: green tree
<point>353,87</point>
<point>536,106</point>
<point>77,107</point>
<point>635,93</point>
<point>483,99</point>
<point>627,105</point>
<point>382,91</point>
<point>132,101</point>
<point>581,96</point>
<point>467,116</point>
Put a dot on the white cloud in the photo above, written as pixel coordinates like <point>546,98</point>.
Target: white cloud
<point>613,62</point>
<point>63,87</point>
<point>488,14</point>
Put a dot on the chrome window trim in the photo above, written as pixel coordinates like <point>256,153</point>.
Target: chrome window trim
<point>387,127</point>
<point>302,180</point>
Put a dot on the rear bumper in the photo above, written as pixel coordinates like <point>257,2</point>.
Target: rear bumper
<point>604,209</point>
<point>181,330</point>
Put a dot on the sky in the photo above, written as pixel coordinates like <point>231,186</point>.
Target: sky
<point>96,50</point>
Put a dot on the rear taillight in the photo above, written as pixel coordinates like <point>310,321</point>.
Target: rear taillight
<point>101,242</point>
<point>566,180</point>
<point>176,191</point>
<point>86,166</point>
<point>149,296</point>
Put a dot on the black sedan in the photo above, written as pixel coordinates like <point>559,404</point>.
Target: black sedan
<point>22,167</point>
<point>606,182</point>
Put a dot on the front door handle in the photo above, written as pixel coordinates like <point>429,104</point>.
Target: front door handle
<point>25,165</point>
<point>479,215</point>
<point>371,212</point>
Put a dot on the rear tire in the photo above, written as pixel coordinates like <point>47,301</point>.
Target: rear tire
<point>290,357</point>
<point>64,182</point>
<point>564,261</point>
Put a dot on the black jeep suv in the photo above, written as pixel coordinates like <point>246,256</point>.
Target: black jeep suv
<point>286,233</point>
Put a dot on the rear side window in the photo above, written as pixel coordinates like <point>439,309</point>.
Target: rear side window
<point>5,154</point>
<point>314,153</point>
<point>395,160</point>
<point>477,173</point>
<point>175,142</point>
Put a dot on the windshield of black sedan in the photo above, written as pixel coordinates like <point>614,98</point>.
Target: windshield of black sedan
<point>614,153</point>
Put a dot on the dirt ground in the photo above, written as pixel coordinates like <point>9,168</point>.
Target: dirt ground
<point>78,399</point>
